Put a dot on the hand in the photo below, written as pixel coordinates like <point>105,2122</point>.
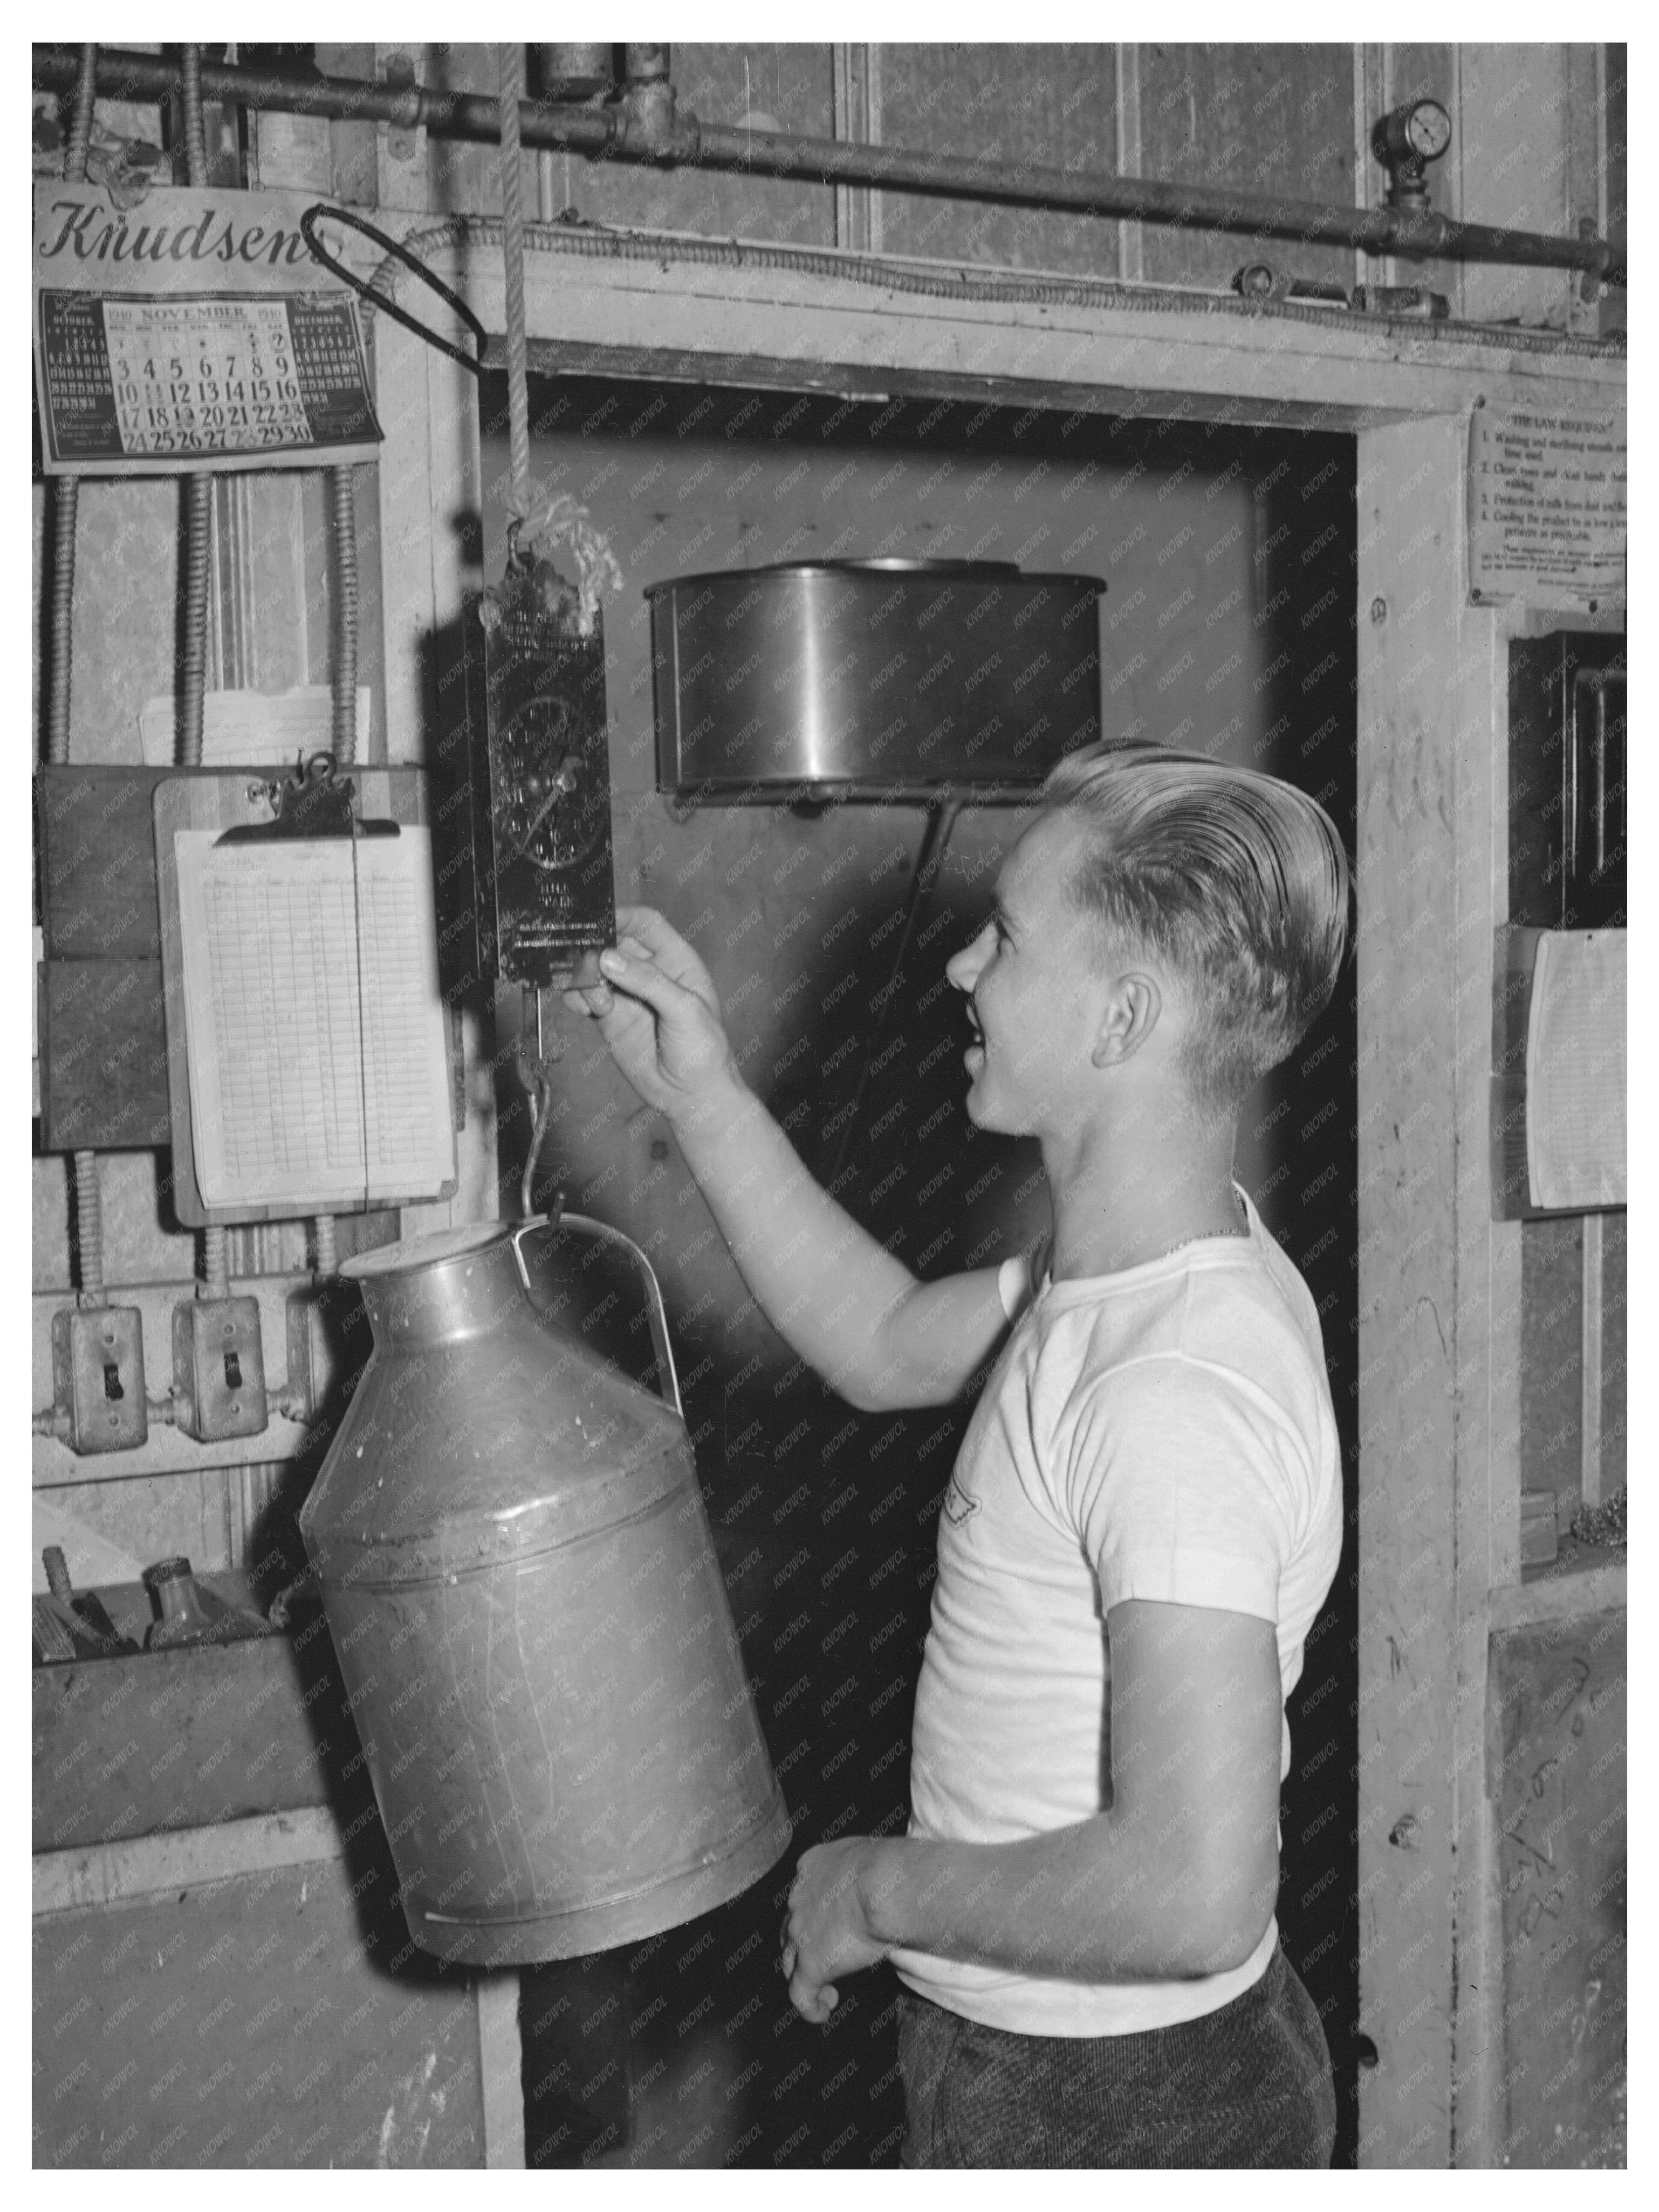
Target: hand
<point>828,1931</point>
<point>658,1011</point>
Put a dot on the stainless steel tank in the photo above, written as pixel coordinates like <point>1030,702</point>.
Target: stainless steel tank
<point>534,1636</point>
<point>872,679</point>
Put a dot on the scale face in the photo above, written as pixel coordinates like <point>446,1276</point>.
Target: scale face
<point>543,809</point>
<point>550,811</point>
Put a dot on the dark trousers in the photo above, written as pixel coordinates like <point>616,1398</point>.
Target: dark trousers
<point>1247,2086</point>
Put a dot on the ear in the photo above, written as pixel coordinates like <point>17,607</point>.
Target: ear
<point>1132,1012</point>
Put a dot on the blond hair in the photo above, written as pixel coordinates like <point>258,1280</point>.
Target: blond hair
<point>1237,880</point>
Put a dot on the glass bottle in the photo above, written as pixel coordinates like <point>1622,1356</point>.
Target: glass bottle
<point>191,1614</point>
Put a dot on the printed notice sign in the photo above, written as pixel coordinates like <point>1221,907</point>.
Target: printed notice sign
<point>184,333</point>
<point>1548,506</point>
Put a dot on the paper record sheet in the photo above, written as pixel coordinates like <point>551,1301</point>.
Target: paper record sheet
<point>315,1041</point>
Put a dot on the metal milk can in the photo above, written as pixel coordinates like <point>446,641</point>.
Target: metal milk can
<point>531,1626</point>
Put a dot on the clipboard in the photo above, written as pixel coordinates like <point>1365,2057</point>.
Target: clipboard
<point>286,836</point>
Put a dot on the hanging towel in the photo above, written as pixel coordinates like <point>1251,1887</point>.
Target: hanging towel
<point>1577,1070</point>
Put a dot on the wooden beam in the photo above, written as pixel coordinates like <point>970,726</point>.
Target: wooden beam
<point>400,167</point>
<point>500,2062</point>
<point>858,117</point>
<point>1438,1290</point>
<point>1166,356</point>
<point>1590,1423</point>
<point>1562,1597</point>
<point>116,1873</point>
<point>1371,81</point>
<point>1129,235</point>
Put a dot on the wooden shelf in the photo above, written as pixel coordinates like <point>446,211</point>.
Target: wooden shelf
<point>1585,1579</point>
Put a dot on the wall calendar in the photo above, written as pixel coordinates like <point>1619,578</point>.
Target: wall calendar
<point>183,333</point>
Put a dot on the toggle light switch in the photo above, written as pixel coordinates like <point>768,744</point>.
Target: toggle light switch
<point>98,1378</point>
<point>218,1368</point>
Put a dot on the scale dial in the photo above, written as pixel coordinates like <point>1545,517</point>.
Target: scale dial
<point>549,811</point>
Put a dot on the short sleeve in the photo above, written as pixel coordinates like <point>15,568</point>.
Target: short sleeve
<point>1019,1279</point>
<point>1186,1485</point>
<point>1014,1284</point>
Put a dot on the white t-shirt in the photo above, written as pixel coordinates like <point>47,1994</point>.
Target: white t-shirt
<point>1162,1433</point>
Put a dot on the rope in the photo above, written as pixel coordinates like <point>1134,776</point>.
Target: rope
<point>597,568</point>
<point>518,399</point>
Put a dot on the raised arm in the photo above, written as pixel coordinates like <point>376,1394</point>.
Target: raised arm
<point>837,1296</point>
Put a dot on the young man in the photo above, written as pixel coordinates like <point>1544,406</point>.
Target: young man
<point>1146,1510</point>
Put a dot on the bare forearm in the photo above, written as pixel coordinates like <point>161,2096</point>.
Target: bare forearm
<point>1110,1898</point>
<point>822,1281</point>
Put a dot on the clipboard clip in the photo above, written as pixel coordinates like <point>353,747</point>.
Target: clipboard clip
<point>314,801</point>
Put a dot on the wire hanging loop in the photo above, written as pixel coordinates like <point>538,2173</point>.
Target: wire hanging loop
<point>537,1061</point>
<point>381,301</point>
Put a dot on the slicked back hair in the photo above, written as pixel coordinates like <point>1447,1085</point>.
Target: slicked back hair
<point>1236,880</point>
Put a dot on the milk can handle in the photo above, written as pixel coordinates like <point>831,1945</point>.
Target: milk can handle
<point>654,1312</point>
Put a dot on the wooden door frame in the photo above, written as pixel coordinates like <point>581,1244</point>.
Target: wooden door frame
<point>1438,1279</point>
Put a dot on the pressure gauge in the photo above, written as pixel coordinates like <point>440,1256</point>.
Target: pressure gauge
<point>1428,129</point>
<point>1405,142</point>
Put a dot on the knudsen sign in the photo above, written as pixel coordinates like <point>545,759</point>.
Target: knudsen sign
<point>192,330</point>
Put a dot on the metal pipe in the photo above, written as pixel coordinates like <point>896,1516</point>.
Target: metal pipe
<point>66,493</point>
<point>198,488</point>
<point>196,155</point>
<point>90,1229</point>
<point>216,1261</point>
<point>342,514</point>
<point>625,133</point>
<point>88,1198</point>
